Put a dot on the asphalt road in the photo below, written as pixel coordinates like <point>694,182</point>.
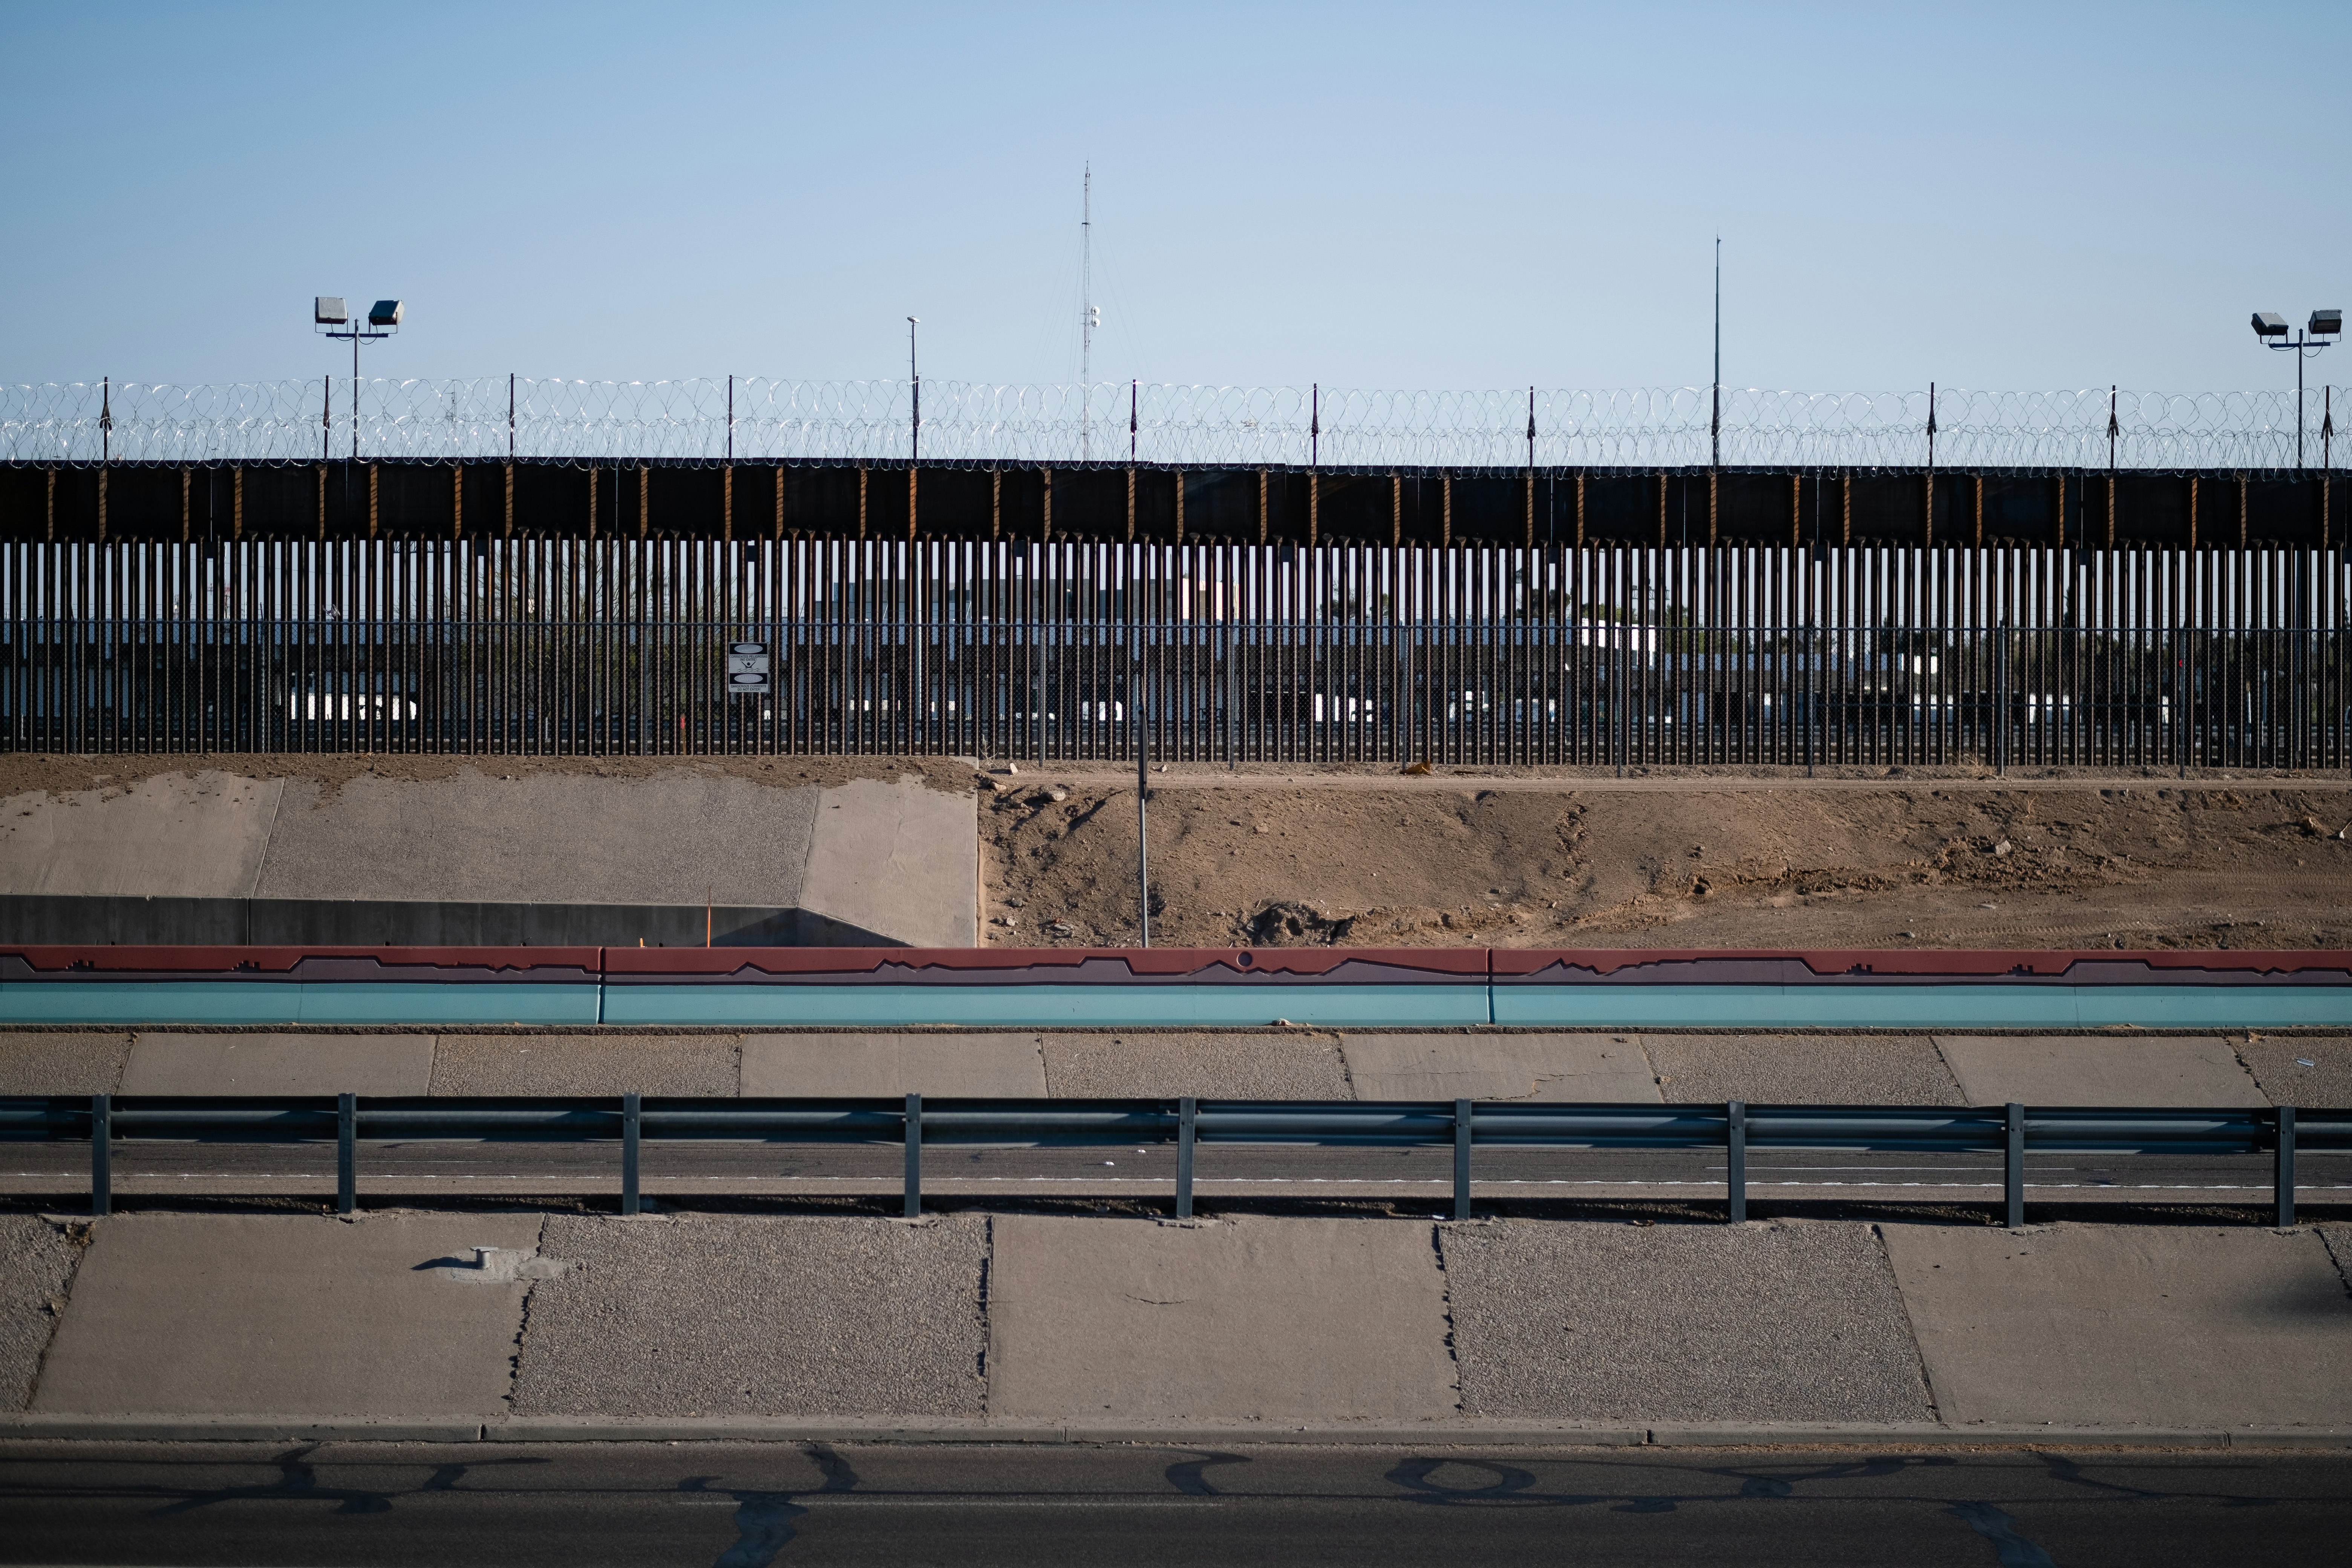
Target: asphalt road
<point>747,1507</point>
<point>422,1171</point>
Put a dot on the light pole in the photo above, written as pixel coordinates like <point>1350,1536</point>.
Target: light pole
<point>383,315</point>
<point>914,428</point>
<point>2271,329</point>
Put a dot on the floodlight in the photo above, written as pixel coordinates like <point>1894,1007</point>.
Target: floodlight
<point>387,313</point>
<point>2326,323</point>
<point>330,312</point>
<point>2269,324</point>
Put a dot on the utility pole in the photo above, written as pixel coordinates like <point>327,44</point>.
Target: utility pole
<point>1088,317</point>
<point>1714,410</point>
<point>914,375</point>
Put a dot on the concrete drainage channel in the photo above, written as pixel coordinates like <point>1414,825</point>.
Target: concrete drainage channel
<point>627,1123</point>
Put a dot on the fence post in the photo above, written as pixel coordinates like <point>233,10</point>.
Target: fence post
<point>2000,699</point>
<point>102,1153</point>
<point>1734,1144</point>
<point>2283,1170</point>
<point>630,1105</point>
<point>347,1175</point>
<point>2013,1170</point>
<point>914,1156</point>
<point>1186,1109</point>
<point>1462,1159</point>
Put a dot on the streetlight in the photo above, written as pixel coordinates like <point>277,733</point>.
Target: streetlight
<point>2271,329</point>
<point>330,312</point>
<point>915,429</point>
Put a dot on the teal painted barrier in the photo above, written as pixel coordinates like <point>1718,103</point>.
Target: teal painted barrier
<point>132,1002</point>
<point>1572,1006</point>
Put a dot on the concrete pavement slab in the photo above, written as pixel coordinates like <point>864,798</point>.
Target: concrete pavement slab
<point>584,1064</point>
<point>941,1066</point>
<point>1589,1067</point>
<point>1248,1319</point>
<point>219,1314</point>
<point>36,1063</point>
<point>681,836</point>
<point>2142,1325</point>
<point>170,836</point>
<point>711,1316</point>
<point>37,1266</point>
<point>2097,1069</point>
<point>899,860</point>
<point>2339,1239</point>
<point>2300,1071</point>
<point>1801,1069</point>
<point>280,1064</point>
<point>1275,1064</point>
<point>1754,1322</point>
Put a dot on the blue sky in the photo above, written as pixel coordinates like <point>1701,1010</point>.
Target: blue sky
<point>1997,195</point>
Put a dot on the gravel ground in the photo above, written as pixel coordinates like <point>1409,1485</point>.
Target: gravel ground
<point>1803,1070</point>
<point>1764,1322</point>
<point>1274,1065</point>
<point>62,1064</point>
<point>36,1262</point>
<point>727,1316</point>
<point>2278,1070</point>
<point>585,1064</point>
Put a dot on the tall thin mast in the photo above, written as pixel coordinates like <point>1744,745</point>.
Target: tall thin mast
<point>1086,311</point>
<point>1715,399</point>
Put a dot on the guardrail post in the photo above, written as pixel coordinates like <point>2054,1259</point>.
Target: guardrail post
<point>914,1156</point>
<point>1462,1159</point>
<point>1186,1109</point>
<point>2012,1168</point>
<point>1735,1146</point>
<point>629,1118</point>
<point>2283,1170</point>
<point>347,1153</point>
<point>102,1153</point>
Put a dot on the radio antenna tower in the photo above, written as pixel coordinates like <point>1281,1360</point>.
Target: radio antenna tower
<point>1088,317</point>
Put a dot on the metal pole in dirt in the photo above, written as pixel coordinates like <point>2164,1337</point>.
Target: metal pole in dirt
<point>1142,796</point>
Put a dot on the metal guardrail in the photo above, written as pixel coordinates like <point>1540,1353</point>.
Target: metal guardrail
<point>630,1119</point>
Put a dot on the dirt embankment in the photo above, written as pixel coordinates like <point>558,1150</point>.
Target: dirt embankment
<point>22,774</point>
<point>1694,866</point>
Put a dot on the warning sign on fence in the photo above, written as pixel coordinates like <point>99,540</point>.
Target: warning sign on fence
<point>747,667</point>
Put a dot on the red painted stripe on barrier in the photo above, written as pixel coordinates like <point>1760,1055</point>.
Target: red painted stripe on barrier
<point>1518,965</point>
<point>548,963</point>
<point>1048,965</point>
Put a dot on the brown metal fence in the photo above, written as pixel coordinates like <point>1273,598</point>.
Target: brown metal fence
<point>1594,656</point>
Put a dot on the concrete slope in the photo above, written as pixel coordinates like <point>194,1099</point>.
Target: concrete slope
<point>167,836</point>
<point>471,857</point>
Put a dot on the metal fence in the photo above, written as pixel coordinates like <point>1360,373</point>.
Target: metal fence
<point>1213,654</point>
<point>626,1122</point>
<point>1226,693</point>
<point>764,420</point>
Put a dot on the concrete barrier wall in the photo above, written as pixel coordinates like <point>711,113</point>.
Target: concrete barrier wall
<point>1403,987</point>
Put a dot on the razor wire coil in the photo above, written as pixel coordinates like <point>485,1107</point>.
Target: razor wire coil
<point>765,420</point>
